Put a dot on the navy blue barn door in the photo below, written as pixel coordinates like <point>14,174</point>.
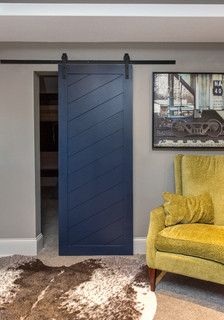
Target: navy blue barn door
<point>95,160</point>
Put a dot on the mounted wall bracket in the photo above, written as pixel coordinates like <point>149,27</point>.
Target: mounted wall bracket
<point>64,60</point>
<point>126,64</point>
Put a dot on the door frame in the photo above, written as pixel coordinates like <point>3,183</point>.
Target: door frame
<point>36,92</point>
<point>38,217</point>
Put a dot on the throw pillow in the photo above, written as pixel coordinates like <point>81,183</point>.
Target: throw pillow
<point>188,209</point>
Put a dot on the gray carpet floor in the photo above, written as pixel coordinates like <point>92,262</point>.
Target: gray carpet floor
<point>206,294</point>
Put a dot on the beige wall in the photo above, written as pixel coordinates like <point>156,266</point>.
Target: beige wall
<point>153,171</point>
<point>17,153</point>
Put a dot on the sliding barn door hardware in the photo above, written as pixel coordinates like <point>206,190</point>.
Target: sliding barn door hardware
<point>64,59</point>
<point>126,65</point>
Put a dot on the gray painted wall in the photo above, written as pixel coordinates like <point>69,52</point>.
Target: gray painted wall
<point>153,170</point>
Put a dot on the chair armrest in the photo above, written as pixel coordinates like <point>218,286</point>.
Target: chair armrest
<point>157,224</point>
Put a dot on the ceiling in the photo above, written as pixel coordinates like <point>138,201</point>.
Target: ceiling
<point>120,1</point>
<point>72,23</point>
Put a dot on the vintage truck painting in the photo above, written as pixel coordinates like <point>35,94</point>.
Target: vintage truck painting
<point>188,110</point>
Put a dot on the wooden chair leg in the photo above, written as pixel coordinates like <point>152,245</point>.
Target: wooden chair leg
<point>152,279</point>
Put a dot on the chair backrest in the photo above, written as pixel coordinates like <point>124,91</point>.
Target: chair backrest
<point>198,174</point>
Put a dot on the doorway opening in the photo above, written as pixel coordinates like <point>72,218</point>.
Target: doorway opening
<point>95,176</point>
<point>48,117</point>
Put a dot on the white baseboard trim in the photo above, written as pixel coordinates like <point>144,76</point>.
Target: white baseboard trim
<point>139,245</point>
<point>26,246</point>
<point>31,246</point>
<point>40,242</point>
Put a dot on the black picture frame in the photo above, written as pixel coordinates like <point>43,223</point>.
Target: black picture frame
<point>197,127</point>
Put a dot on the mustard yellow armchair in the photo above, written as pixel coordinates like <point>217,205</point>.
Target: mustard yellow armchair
<point>194,250</point>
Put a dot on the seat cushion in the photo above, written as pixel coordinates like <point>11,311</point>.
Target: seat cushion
<point>197,240</point>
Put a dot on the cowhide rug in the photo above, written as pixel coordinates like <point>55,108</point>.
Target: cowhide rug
<point>114,288</point>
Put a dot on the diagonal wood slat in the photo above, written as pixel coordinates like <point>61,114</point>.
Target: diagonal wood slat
<point>91,225</point>
<point>104,234</point>
<point>95,169</point>
<point>75,78</point>
<point>96,151</point>
<point>96,133</point>
<point>95,187</point>
<point>95,116</point>
<point>89,84</point>
<point>97,204</point>
<point>95,98</point>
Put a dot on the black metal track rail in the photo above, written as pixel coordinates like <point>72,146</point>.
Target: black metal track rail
<point>7,61</point>
<point>65,59</point>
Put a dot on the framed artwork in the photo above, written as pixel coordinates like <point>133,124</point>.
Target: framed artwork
<point>188,110</point>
